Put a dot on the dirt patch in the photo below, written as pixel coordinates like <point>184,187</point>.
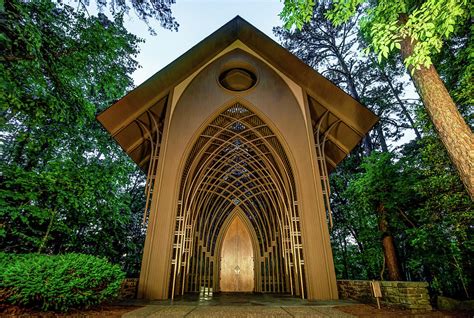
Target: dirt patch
<point>100,311</point>
<point>363,310</point>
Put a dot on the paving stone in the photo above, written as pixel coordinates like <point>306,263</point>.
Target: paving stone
<point>331,312</point>
<point>142,312</point>
<point>173,311</point>
<point>229,306</point>
<point>152,311</point>
<point>302,311</point>
<point>238,311</point>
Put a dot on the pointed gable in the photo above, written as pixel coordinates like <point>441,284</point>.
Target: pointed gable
<point>338,118</point>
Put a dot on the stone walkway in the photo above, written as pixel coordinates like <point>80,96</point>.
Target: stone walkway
<point>234,311</point>
<point>230,306</point>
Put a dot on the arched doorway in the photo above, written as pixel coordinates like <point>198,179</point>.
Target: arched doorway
<point>237,258</point>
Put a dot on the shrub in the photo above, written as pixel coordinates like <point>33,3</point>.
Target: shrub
<point>58,282</point>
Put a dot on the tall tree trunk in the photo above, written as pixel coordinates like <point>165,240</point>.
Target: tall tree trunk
<point>344,256</point>
<point>366,141</point>
<point>367,144</point>
<point>388,246</point>
<point>383,142</point>
<point>453,131</point>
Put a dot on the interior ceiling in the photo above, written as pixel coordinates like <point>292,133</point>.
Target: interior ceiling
<point>336,137</point>
<point>239,162</point>
<point>137,138</point>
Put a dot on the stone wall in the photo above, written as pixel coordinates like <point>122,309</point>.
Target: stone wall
<point>408,295</point>
<point>129,287</point>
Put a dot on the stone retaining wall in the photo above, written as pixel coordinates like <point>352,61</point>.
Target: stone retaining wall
<point>129,287</point>
<point>409,295</point>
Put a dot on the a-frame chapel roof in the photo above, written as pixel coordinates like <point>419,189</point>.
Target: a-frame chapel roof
<point>142,109</point>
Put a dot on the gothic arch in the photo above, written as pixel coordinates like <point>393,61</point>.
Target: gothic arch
<point>237,213</point>
<point>237,162</point>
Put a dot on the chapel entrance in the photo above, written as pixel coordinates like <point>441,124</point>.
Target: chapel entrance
<point>237,222</point>
<point>237,260</point>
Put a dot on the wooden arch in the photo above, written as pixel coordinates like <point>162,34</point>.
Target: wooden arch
<point>237,163</point>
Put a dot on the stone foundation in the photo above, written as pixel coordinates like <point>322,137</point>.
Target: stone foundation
<point>408,295</point>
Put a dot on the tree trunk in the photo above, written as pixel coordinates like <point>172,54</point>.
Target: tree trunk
<point>368,145</point>
<point>344,257</point>
<point>383,142</point>
<point>48,230</point>
<point>453,131</point>
<point>388,246</point>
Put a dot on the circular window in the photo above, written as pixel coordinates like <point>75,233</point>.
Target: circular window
<point>237,79</point>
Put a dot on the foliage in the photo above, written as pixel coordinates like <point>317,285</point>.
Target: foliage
<point>428,210</point>
<point>58,282</point>
<point>440,245</point>
<point>158,10</point>
<point>335,52</point>
<point>65,186</point>
<point>455,64</point>
<point>381,181</point>
<point>69,62</point>
<point>387,22</point>
<point>297,12</point>
<point>355,237</point>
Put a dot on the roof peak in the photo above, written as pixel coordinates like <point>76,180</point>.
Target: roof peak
<point>125,111</point>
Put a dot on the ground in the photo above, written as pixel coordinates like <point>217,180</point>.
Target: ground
<point>232,305</point>
<point>109,311</point>
<point>363,310</point>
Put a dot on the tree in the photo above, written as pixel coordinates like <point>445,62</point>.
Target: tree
<point>427,212</point>
<point>355,236</point>
<point>159,10</point>
<point>455,64</point>
<point>335,52</point>
<point>439,245</point>
<point>65,185</point>
<point>383,188</point>
<point>418,30</point>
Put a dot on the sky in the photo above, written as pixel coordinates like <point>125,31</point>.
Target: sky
<point>197,20</point>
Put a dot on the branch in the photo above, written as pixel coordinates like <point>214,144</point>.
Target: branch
<point>406,218</point>
<point>14,58</point>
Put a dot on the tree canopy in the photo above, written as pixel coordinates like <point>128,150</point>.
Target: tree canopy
<point>418,30</point>
<point>66,186</point>
<point>147,10</point>
<point>389,195</point>
<point>428,23</point>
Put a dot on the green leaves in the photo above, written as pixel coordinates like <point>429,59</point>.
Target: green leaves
<point>59,282</point>
<point>297,12</point>
<point>346,9</point>
<point>430,213</point>
<point>65,185</point>
<point>385,23</point>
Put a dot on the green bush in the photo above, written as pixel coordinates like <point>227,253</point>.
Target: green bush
<point>58,282</point>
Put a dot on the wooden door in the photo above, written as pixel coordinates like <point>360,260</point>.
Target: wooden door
<point>237,264</point>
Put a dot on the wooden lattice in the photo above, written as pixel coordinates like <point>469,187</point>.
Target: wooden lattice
<point>237,163</point>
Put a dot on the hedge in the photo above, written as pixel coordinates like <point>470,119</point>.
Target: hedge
<point>57,282</point>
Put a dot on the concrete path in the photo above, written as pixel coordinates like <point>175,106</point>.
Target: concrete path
<point>234,311</point>
<point>229,306</point>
